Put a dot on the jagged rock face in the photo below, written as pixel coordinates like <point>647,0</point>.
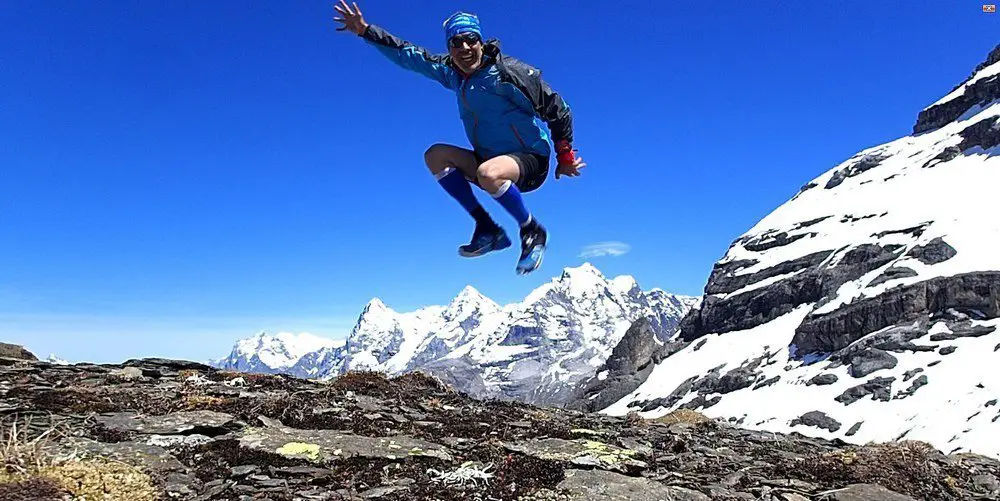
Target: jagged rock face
<point>815,280</point>
<point>181,430</point>
<point>535,351</point>
<point>974,91</point>
<point>628,367</point>
<point>832,331</point>
<point>870,218</point>
<point>884,265</point>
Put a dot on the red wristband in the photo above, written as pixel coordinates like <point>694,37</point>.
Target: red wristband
<point>564,153</point>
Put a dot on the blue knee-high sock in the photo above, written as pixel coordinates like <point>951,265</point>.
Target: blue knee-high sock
<point>454,182</point>
<point>510,198</point>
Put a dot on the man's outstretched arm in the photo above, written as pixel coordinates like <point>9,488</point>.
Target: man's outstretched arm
<point>399,51</point>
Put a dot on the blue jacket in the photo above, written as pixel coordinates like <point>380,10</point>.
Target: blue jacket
<point>502,105</point>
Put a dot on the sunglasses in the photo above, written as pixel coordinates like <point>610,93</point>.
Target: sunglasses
<point>470,38</point>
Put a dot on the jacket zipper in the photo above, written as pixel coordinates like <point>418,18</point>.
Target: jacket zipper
<point>518,136</point>
<point>475,118</point>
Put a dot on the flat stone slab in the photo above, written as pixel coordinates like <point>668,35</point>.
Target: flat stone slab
<point>866,492</point>
<point>169,424</point>
<point>600,485</point>
<point>152,457</point>
<point>169,441</point>
<point>580,452</point>
<point>326,445</point>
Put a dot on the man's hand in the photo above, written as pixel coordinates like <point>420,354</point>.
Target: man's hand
<point>353,19</point>
<point>570,170</point>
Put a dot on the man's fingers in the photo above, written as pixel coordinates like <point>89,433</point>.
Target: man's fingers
<point>347,8</point>
<point>342,28</point>
<point>357,9</point>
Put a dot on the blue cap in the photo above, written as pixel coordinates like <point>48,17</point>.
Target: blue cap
<point>461,22</point>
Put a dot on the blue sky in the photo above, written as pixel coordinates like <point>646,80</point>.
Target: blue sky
<point>177,175</point>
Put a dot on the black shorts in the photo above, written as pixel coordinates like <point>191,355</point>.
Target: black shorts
<point>534,168</point>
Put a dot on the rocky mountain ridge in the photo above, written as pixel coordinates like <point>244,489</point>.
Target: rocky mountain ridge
<point>866,307</point>
<point>164,429</point>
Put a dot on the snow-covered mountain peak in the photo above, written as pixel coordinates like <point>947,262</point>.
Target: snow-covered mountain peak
<point>281,350</point>
<point>53,359</point>
<point>375,316</point>
<point>469,296</point>
<point>374,306</point>
<point>574,282</point>
<point>469,302</point>
<point>581,281</point>
<point>585,271</point>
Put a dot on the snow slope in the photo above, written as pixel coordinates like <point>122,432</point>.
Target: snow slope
<point>866,307</point>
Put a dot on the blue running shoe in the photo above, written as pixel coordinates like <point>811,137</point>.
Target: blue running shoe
<point>485,240</point>
<point>533,241</point>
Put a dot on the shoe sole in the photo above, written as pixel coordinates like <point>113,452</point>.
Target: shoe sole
<point>525,271</point>
<point>485,250</point>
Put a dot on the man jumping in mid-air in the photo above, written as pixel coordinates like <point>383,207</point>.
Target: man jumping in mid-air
<point>499,99</point>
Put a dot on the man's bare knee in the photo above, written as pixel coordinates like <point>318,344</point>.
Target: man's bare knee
<point>488,173</point>
<point>436,157</point>
<point>493,173</point>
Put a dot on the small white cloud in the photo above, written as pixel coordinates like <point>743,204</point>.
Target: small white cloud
<point>604,249</point>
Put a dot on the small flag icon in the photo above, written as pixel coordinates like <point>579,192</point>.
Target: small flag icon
<point>989,7</point>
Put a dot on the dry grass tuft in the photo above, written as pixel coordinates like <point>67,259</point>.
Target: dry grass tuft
<point>32,471</point>
<point>364,382</point>
<point>682,416</point>
<point>22,453</point>
<point>203,402</point>
<point>101,478</point>
<point>906,467</point>
<point>417,381</point>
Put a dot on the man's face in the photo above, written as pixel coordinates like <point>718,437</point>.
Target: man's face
<point>466,50</point>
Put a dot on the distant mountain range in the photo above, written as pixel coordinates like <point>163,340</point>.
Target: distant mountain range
<point>536,350</point>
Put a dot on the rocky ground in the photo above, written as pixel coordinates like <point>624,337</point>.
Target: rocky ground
<point>159,429</point>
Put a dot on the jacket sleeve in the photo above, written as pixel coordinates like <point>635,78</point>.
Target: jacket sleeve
<point>534,93</point>
<point>411,57</point>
